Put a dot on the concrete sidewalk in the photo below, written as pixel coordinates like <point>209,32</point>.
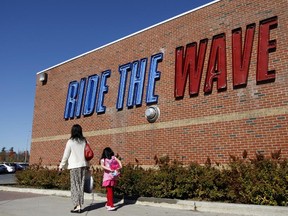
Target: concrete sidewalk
<point>59,201</point>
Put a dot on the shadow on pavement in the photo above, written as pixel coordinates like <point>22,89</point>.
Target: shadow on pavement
<point>94,206</point>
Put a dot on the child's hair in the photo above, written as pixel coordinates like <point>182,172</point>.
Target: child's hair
<point>107,153</point>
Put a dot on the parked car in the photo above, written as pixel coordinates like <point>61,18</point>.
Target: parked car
<point>2,169</point>
<point>10,169</point>
<point>24,165</point>
<point>17,166</point>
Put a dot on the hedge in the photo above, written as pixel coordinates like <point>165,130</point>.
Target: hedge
<point>262,181</point>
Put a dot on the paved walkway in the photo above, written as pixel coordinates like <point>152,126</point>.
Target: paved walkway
<point>30,202</point>
<point>55,205</point>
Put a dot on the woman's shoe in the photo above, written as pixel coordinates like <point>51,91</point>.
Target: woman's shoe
<point>77,209</point>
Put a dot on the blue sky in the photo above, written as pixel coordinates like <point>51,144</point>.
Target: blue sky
<point>35,35</point>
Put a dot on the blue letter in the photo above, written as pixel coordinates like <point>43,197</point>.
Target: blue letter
<point>136,85</point>
<point>154,75</point>
<point>90,97</point>
<point>80,97</point>
<point>122,85</point>
<point>71,100</point>
<point>103,89</point>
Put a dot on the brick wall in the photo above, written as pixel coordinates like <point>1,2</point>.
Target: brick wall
<point>252,118</point>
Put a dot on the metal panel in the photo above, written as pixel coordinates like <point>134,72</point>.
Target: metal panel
<point>136,86</point>
<point>123,70</point>
<point>91,93</point>
<point>100,108</point>
<point>241,62</point>
<point>216,70</point>
<point>71,100</point>
<point>154,75</point>
<point>265,46</point>
<point>189,64</point>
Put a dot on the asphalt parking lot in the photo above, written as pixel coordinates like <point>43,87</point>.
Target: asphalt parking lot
<point>7,179</point>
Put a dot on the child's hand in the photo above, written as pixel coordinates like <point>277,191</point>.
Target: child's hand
<point>109,169</point>
<point>115,173</point>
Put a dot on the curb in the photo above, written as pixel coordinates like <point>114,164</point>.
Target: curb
<point>200,206</point>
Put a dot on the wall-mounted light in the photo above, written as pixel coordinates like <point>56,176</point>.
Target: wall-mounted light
<point>43,77</point>
<point>152,113</point>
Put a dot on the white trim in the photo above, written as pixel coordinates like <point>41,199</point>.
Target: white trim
<point>190,11</point>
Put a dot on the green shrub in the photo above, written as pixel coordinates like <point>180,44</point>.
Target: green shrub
<point>259,181</point>
<point>131,182</point>
<point>40,177</point>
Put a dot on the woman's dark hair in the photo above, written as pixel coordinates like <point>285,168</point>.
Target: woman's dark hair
<point>107,153</point>
<point>76,133</point>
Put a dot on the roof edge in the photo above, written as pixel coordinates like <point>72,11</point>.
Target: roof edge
<point>130,35</point>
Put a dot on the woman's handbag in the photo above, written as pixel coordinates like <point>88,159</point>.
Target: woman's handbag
<point>88,152</point>
<point>89,183</point>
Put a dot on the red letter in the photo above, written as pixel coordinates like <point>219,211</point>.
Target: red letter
<point>217,64</point>
<point>241,61</point>
<point>265,46</point>
<point>193,64</point>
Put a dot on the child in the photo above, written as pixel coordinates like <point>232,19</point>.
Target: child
<point>111,166</point>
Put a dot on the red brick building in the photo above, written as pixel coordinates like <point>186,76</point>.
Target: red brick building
<point>218,74</point>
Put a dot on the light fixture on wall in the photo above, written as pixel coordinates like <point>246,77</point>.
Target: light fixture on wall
<point>43,77</point>
<point>152,113</point>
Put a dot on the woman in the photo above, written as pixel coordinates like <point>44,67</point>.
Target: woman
<point>74,157</point>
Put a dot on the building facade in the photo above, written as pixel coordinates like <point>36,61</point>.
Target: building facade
<point>208,83</point>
